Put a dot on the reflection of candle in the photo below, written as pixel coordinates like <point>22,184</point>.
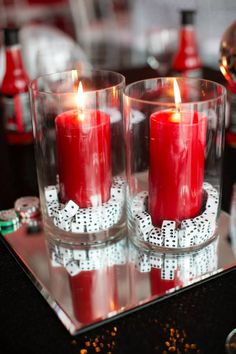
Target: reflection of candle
<point>177,146</point>
<point>160,286</point>
<point>84,161</point>
<point>94,294</point>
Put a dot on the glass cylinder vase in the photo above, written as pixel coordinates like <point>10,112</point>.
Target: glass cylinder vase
<point>174,130</point>
<point>78,131</point>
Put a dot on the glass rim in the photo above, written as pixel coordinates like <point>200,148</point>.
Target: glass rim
<point>171,104</point>
<point>119,84</point>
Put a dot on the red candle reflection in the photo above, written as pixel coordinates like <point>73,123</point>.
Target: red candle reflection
<point>84,157</point>
<point>94,294</point>
<point>176,172</point>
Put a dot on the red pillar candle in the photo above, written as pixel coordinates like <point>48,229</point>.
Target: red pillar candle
<point>84,157</point>
<point>176,171</point>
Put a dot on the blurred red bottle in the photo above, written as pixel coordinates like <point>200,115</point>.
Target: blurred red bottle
<point>16,123</point>
<point>186,61</point>
<point>14,92</point>
<point>227,66</point>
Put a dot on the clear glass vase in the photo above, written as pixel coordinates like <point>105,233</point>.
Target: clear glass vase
<point>78,131</point>
<point>174,131</point>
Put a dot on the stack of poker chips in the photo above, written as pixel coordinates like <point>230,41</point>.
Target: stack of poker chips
<point>9,221</point>
<point>28,209</point>
<point>192,232</point>
<point>71,218</point>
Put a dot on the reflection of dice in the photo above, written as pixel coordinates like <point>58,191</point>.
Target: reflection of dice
<point>183,239</point>
<point>201,261</point>
<point>51,194</point>
<point>55,260</point>
<point>156,261</point>
<point>186,265</point>
<point>79,254</point>
<point>94,254</point>
<point>167,274</point>
<point>170,263</point>
<point>156,237</point>
<point>88,264</point>
<point>169,234</point>
<point>66,255</point>
<point>72,268</point>
<point>136,116</point>
<point>120,256</point>
<point>143,263</point>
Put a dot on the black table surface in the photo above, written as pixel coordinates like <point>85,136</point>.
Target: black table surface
<point>196,320</point>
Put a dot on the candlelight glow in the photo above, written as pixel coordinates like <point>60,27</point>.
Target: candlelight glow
<point>176,116</point>
<point>80,101</point>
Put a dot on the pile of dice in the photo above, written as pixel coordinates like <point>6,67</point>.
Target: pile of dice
<point>70,217</point>
<point>191,232</point>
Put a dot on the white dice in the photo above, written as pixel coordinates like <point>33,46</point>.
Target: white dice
<point>51,194</point>
<point>169,234</point>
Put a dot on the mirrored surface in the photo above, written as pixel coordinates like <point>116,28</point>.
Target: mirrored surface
<point>88,286</point>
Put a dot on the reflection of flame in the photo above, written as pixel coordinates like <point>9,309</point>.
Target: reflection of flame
<point>80,101</point>
<point>223,68</point>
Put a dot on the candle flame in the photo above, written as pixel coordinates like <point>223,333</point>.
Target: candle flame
<point>176,117</point>
<point>80,101</point>
<point>177,94</point>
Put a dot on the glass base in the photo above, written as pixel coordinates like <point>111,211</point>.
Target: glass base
<point>149,247</point>
<point>85,239</point>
